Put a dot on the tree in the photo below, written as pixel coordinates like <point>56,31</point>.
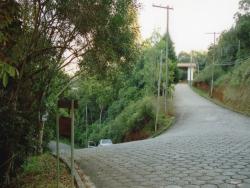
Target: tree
<point>115,44</point>
<point>38,40</point>
<point>243,35</point>
<point>10,26</point>
<point>200,59</point>
<point>149,62</point>
<point>184,57</point>
<point>233,46</point>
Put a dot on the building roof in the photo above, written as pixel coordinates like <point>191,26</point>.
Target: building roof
<point>186,65</point>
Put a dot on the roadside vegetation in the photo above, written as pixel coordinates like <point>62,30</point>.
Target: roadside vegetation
<point>231,68</point>
<point>134,122</point>
<point>40,171</point>
<point>121,104</point>
<point>80,50</point>
<point>232,88</point>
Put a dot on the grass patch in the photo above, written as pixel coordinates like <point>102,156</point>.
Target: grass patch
<point>40,172</point>
<point>201,92</point>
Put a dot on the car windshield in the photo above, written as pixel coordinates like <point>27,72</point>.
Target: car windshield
<point>106,141</point>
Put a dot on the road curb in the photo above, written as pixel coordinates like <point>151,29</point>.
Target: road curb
<point>78,181</point>
<point>173,120</point>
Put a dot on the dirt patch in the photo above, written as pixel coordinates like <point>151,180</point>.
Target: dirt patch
<point>138,132</point>
<point>235,97</point>
<point>137,135</point>
<point>202,85</point>
<point>218,94</point>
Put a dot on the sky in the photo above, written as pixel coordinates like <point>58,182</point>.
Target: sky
<point>189,21</point>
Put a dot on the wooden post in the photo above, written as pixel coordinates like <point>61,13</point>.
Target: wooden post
<point>167,51</point>
<point>158,97</point>
<point>72,143</point>
<point>57,149</point>
<point>71,105</point>
<point>86,122</point>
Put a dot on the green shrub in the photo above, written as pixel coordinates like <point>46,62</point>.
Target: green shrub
<point>222,80</point>
<point>137,116</point>
<point>239,75</point>
<point>131,118</point>
<point>35,164</point>
<point>206,74</point>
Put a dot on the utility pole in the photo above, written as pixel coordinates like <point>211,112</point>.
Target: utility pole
<point>158,96</point>
<point>86,123</point>
<point>190,71</point>
<point>239,47</point>
<point>212,79</point>
<point>198,66</point>
<point>57,151</point>
<point>72,116</point>
<point>167,45</point>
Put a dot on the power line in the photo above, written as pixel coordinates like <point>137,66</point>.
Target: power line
<point>233,63</point>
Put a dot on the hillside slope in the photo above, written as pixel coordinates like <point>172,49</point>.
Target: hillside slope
<point>231,88</point>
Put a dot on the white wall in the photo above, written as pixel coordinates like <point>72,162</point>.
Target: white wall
<point>190,73</point>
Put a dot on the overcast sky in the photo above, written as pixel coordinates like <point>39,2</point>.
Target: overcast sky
<point>189,21</point>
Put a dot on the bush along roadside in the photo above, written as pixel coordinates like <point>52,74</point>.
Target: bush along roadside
<point>40,171</point>
<point>135,122</point>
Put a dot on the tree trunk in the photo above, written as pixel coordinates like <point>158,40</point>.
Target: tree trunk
<point>91,117</point>
<point>6,162</point>
<point>101,109</point>
<point>86,122</point>
<point>40,138</point>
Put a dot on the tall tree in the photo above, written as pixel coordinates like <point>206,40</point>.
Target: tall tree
<point>39,39</point>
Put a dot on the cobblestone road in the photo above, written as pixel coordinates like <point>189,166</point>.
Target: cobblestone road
<point>208,147</point>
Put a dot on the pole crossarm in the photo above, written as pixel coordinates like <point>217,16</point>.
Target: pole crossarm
<point>212,33</point>
<point>165,7</point>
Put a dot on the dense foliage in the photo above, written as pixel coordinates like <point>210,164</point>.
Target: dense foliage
<point>115,82</point>
<point>121,101</point>
<point>232,48</point>
<point>228,62</point>
<point>38,39</point>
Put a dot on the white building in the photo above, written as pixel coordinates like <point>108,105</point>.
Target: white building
<point>190,67</point>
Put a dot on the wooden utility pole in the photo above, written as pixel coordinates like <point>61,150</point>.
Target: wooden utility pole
<point>65,127</point>
<point>167,46</point>
<point>72,116</point>
<point>239,47</point>
<point>86,123</point>
<point>190,70</point>
<point>57,151</point>
<point>158,96</point>
<point>212,79</point>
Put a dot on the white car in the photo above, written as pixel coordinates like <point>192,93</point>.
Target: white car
<point>105,142</point>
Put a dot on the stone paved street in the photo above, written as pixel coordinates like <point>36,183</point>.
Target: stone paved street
<point>208,147</point>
